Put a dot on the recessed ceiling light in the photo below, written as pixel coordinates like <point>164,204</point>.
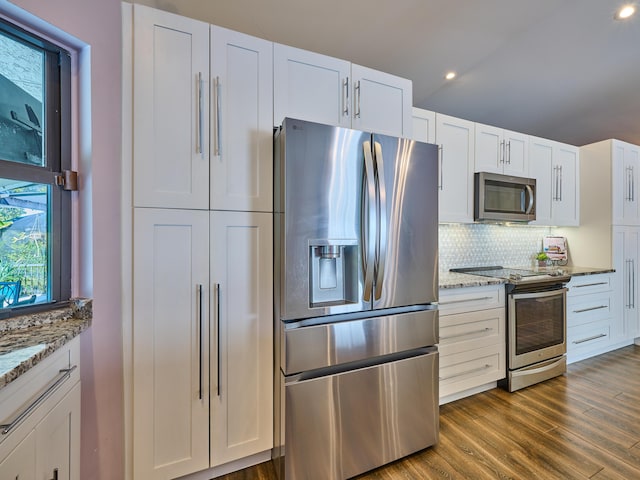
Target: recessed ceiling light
<point>450,75</point>
<point>625,12</point>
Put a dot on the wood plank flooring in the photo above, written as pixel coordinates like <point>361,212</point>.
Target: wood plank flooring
<point>582,425</point>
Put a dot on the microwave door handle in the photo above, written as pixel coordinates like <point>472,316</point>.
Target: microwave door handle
<point>531,199</point>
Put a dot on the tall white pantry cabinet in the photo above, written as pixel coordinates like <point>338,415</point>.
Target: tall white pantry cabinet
<point>202,245</point>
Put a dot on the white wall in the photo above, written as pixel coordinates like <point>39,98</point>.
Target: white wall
<point>96,24</point>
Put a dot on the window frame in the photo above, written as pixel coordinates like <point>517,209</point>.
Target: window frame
<point>57,151</point>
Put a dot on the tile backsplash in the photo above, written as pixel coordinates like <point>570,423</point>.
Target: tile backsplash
<point>485,244</point>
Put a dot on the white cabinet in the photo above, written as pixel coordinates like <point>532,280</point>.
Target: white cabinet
<point>626,255</point>
<point>58,440</point>
<point>424,125</point>
<point>592,315</point>
<point>179,65</point>
<point>501,151</point>
<point>472,340</point>
<point>170,331</point>
<point>21,462</point>
<point>242,113</point>
<point>323,89</point>
<point>189,329</point>
<point>626,181</point>
<point>170,105</point>
<point>241,363</point>
<point>45,443</point>
<point>455,139</point>
<point>556,170</point>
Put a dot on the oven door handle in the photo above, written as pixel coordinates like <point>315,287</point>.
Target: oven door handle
<point>550,293</point>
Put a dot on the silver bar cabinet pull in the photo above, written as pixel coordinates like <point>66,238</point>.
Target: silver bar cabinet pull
<point>64,375</point>
<point>441,156</point>
<point>588,339</point>
<point>464,334</point>
<point>218,116</point>
<point>582,310</point>
<point>345,97</point>
<point>199,114</point>
<point>200,340</point>
<point>218,369</point>
<point>356,93</point>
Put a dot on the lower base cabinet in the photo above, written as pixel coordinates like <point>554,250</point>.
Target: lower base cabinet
<point>46,444</point>
<point>472,340</point>
<point>203,342</point>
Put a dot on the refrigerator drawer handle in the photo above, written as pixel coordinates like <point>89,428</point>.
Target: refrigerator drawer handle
<point>381,208</point>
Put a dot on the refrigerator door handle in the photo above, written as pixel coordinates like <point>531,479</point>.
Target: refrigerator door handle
<point>381,210</point>
<point>368,221</point>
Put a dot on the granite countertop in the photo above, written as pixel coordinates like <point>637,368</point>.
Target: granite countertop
<point>26,340</point>
<point>462,280</point>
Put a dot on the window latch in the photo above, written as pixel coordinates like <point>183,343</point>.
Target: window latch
<point>68,180</point>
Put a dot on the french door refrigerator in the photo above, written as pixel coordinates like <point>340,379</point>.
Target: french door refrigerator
<point>356,290</point>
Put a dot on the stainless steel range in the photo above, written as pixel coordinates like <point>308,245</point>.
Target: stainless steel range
<point>536,323</point>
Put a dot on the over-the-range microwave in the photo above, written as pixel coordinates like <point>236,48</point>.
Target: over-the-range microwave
<point>503,198</point>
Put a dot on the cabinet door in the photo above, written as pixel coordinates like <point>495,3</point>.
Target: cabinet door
<point>490,153</point>
<point>565,208</point>
<point>540,168</point>
<point>501,151</point>
<point>455,138</point>
<point>58,440</point>
<point>242,115</point>
<point>382,103</point>
<point>310,86</point>
<point>170,105</point>
<point>20,464</point>
<point>626,181</point>
<point>170,356</point>
<point>626,242</point>
<point>241,335</point>
<point>424,125</point>
<point>516,147</point>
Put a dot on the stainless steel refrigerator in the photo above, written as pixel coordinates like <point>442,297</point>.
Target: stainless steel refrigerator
<point>356,290</point>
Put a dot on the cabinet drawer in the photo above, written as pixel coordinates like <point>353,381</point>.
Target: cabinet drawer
<point>30,397</point>
<point>457,300</point>
<point>588,308</point>
<point>588,284</point>
<point>469,331</point>
<point>470,369</point>
<point>589,335</point>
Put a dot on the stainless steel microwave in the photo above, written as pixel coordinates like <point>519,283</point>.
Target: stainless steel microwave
<point>503,198</point>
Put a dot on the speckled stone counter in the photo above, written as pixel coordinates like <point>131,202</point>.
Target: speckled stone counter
<point>26,340</point>
<point>462,280</point>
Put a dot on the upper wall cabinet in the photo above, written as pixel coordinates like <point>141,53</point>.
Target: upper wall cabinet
<point>555,167</point>
<point>180,65</point>
<point>424,125</point>
<point>170,105</point>
<point>454,137</point>
<point>323,89</point>
<point>626,182</point>
<point>242,130</point>
<point>501,151</point>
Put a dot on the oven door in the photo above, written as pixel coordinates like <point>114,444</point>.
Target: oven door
<point>537,326</point>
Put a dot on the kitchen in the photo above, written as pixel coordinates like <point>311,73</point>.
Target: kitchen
<point>104,425</point>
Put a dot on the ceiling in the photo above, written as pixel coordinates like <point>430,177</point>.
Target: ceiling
<point>558,69</point>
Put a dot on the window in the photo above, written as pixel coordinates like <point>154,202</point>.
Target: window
<point>35,146</point>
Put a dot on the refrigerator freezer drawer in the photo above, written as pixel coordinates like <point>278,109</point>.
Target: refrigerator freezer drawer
<point>355,421</point>
<point>320,346</point>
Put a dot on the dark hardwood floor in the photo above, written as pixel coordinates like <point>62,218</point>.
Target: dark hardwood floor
<point>583,425</point>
